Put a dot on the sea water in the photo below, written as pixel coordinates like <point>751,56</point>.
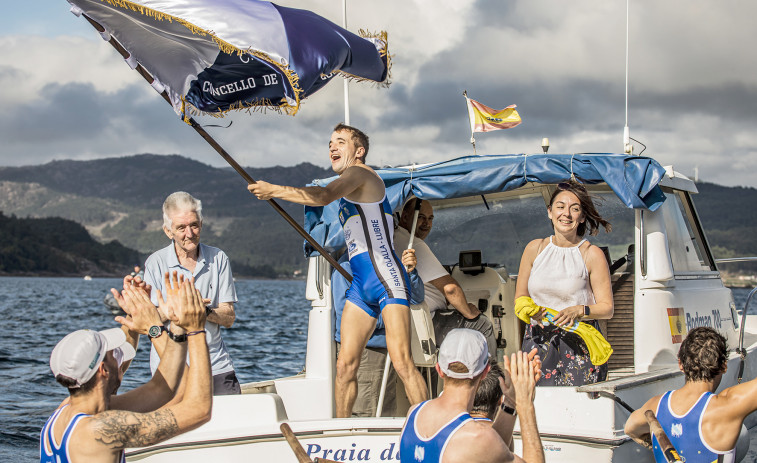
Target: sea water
<point>267,341</point>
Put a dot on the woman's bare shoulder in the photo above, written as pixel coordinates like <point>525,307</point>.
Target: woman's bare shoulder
<point>536,245</point>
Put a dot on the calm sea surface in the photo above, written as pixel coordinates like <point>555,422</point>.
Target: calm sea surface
<point>267,341</point>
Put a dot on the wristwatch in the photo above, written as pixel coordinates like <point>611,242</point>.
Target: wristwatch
<point>509,410</point>
<point>587,311</point>
<point>155,331</point>
<point>176,337</point>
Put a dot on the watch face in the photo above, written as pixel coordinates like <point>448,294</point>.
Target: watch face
<point>155,331</point>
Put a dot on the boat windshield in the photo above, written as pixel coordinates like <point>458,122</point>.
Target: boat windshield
<point>501,226</point>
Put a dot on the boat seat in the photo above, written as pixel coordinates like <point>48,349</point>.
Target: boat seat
<point>422,339</point>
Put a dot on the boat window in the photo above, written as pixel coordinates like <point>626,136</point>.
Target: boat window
<point>684,241</point>
<point>503,230</point>
<point>622,219</point>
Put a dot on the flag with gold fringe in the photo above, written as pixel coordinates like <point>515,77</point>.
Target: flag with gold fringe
<point>213,56</point>
<point>485,119</point>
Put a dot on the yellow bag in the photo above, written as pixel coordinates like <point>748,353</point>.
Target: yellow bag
<point>599,349</point>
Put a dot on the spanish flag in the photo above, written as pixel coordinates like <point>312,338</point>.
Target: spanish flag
<point>485,119</point>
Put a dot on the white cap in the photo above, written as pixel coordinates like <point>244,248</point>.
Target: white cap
<point>79,354</point>
<point>467,347</point>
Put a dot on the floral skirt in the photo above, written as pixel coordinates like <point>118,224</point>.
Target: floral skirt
<point>564,356</point>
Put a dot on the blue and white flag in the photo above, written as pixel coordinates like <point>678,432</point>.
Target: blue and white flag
<point>213,56</point>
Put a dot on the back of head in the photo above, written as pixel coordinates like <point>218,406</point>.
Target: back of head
<point>489,391</point>
<point>463,356</point>
<point>180,201</point>
<point>77,357</point>
<point>358,137</point>
<point>703,354</point>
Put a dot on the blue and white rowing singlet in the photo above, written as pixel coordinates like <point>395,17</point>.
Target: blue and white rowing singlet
<point>378,276</point>
<point>51,453</point>
<point>416,449</point>
<point>685,433</point>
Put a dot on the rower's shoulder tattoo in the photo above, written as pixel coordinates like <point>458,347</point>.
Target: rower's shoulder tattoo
<point>118,429</point>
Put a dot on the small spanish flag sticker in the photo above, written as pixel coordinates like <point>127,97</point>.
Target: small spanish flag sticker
<point>677,324</point>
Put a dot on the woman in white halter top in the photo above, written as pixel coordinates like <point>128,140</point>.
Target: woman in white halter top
<point>566,273</point>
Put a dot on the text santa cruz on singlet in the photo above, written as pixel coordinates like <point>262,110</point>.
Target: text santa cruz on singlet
<point>386,253</point>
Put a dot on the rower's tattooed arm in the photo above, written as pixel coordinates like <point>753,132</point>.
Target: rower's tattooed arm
<point>117,429</point>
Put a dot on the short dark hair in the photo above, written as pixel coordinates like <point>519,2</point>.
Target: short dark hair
<point>70,384</point>
<point>489,392</point>
<point>593,219</point>
<point>358,137</point>
<point>703,354</point>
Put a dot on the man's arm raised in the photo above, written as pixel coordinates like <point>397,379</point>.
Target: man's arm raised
<point>117,429</point>
<point>349,181</point>
<point>524,374</point>
<point>165,382</point>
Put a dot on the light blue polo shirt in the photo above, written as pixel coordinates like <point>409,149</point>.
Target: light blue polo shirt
<point>213,278</point>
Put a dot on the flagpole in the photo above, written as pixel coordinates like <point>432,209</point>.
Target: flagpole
<point>472,137</point>
<point>346,82</point>
<point>240,170</point>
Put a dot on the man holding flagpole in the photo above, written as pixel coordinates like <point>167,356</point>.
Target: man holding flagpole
<point>380,283</point>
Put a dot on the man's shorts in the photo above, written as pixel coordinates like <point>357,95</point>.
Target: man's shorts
<point>372,292</point>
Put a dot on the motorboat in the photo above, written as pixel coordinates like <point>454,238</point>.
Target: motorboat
<point>487,208</point>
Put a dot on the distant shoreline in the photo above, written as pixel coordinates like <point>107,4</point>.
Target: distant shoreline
<point>119,276</point>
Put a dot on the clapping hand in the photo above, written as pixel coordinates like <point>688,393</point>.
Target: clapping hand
<point>171,285</point>
<point>136,281</point>
<point>141,313</point>
<point>525,371</point>
<point>189,312</point>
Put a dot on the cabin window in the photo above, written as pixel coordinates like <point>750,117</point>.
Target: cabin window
<point>622,219</point>
<point>685,241</point>
<point>501,230</point>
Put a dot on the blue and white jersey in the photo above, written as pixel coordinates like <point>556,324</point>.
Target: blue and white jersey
<point>417,449</point>
<point>49,451</point>
<point>378,275</point>
<point>685,433</point>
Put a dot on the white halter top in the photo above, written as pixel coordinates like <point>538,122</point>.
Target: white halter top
<point>559,278</point>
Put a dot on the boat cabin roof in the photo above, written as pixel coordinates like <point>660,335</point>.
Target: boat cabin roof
<point>635,180</point>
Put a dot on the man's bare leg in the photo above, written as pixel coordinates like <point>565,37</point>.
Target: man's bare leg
<point>357,327</point>
<point>397,320</point>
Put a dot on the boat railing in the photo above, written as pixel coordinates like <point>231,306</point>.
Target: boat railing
<point>741,351</point>
<point>735,259</point>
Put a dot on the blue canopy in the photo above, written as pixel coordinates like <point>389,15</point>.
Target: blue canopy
<point>634,179</point>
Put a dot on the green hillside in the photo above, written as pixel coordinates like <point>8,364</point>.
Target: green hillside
<point>120,199</point>
<point>55,246</point>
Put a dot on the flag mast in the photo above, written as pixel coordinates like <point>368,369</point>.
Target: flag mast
<point>470,119</point>
<point>346,82</point>
<point>627,148</point>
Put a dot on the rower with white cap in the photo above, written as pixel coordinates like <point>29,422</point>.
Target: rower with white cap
<point>442,431</point>
<point>94,424</point>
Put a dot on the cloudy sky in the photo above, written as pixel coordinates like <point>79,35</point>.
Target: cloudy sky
<point>693,86</point>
